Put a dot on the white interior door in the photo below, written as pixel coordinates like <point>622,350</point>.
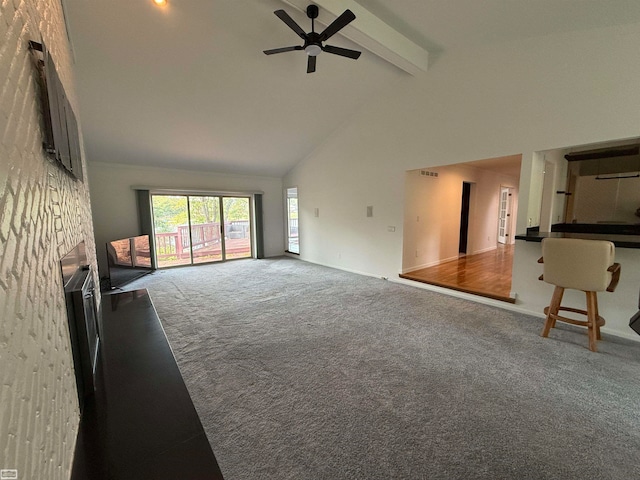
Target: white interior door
<point>504,215</point>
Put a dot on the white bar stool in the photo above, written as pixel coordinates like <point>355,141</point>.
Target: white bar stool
<point>586,265</point>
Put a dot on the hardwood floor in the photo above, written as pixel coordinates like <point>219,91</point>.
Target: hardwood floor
<point>486,274</point>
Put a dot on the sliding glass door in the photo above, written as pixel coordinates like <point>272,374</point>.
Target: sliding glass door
<point>237,227</point>
<point>207,242</point>
<point>170,225</point>
<point>192,229</point>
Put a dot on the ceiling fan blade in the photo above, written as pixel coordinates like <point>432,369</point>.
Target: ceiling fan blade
<point>282,50</point>
<point>311,64</point>
<point>345,52</point>
<point>284,16</point>
<point>339,23</point>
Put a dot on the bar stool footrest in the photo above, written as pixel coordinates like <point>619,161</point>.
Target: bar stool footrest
<point>583,323</point>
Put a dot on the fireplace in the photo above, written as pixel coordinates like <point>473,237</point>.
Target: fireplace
<point>82,314</point>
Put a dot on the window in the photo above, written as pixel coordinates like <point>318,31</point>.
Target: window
<point>293,245</point>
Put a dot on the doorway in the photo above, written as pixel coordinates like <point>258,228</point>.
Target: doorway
<point>194,229</point>
<point>464,218</point>
<point>461,203</point>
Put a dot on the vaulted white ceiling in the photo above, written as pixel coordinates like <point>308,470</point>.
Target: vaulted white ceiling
<point>188,86</point>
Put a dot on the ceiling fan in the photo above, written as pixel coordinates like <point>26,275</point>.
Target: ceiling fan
<point>313,41</point>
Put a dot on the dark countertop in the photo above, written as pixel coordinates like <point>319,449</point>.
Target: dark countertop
<point>622,241</point>
<point>141,422</point>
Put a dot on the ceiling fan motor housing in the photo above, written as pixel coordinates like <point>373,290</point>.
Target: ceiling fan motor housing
<point>312,11</point>
<point>313,44</point>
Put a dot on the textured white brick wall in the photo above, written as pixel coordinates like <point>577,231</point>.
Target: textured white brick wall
<point>44,213</point>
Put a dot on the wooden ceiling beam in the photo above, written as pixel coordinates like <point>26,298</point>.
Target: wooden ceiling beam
<point>371,33</point>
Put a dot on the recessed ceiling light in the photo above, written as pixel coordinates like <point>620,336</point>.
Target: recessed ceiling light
<point>160,3</point>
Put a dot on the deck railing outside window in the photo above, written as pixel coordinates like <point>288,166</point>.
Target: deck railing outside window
<point>178,244</point>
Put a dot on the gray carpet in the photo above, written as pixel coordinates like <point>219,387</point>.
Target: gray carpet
<point>304,372</point>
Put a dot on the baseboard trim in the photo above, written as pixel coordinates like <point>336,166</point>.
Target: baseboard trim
<point>429,264</point>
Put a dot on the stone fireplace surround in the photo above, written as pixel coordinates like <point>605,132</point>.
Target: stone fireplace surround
<point>44,213</point>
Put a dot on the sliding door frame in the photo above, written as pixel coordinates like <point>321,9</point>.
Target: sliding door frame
<point>252,196</point>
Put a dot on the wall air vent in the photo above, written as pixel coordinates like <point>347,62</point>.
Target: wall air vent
<point>427,173</point>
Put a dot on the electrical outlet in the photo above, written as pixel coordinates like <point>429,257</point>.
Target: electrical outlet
<point>370,211</point>
<point>391,229</point>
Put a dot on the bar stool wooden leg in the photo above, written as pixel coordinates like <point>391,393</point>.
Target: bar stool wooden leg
<point>592,319</point>
<point>552,310</point>
<point>598,322</point>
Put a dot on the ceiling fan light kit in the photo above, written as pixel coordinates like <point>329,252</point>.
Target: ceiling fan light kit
<point>313,50</point>
<point>313,41</point>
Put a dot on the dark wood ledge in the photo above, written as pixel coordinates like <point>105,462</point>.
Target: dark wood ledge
<point>604,228</point>
<point>622,241</point>
<point>141,422</point>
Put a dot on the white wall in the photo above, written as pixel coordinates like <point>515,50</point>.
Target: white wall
<point>528,96</point>
<point>432,213</point>
<point>44,213</point>
<point>606,200</point>
<point>554,180</point>
<point>115,213</point>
